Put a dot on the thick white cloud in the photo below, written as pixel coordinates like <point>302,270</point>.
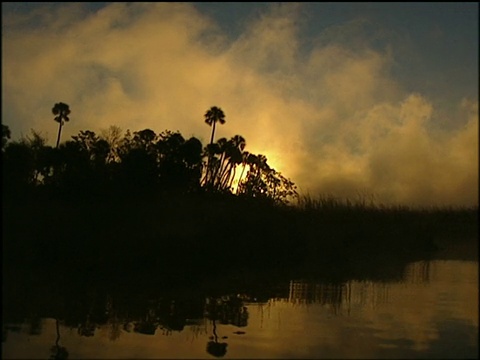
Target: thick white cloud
<point>332,119</point>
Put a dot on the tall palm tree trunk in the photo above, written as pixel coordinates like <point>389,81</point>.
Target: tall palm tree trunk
<point>59,132</point>
<point>209,162</point>
<point>213,132</point>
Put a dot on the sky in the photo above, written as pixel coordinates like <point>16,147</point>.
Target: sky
<point>373,101</point>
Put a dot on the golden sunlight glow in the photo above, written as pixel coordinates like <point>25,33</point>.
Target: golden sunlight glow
<point>301,112</point>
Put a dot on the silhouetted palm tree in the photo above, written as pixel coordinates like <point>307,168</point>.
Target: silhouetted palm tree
<point>5,135</point>
<point>239,144</point>
<point>231,157</point>
<point>212,116</point>
<point>61,110</point>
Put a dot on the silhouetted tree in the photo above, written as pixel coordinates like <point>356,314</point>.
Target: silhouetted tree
<point>142,161</point>
<point>222,168</point>
<point>180,161</point>
<point>264,182</point>
<point>94,147</point>
<point>145,139</point>
<point>18,165</point>
<point>138,167</point>
<point>40,152</point>
<point>46,160</point>
<point>244,164</point>
<point>113,136</point>
<point>61,110</point>
<point>20,159</point>
<point>5,135</point>
<point>212,116</point>
<point>233,157</point>
<point>212,163</point>
<point>216,163</point>
<point>72,170</point>
<point>192,154</point>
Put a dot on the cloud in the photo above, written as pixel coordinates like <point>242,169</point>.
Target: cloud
<point>333,118</point>
<point>409,164</point>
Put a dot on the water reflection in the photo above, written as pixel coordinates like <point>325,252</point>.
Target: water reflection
<point>226,310</point>
<point>431,312</point>
<point>58,352</point>
<point>214,347</point>
<point>362,292</point>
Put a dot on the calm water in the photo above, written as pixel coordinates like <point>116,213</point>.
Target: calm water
<point>432,312</point>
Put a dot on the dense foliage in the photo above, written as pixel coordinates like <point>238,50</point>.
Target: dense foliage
<point>115,164</point>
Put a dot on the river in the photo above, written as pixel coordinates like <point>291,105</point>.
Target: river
<point>428,311</point>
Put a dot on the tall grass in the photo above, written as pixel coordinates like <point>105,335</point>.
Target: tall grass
<point>190,237</point>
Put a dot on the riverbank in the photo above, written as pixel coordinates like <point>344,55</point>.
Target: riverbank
<point>167,238</point>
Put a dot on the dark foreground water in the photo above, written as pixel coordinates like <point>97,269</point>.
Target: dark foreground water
<point>428,311</point>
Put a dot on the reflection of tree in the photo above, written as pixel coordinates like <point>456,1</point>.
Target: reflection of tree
<point>172,319</point>
<point>35,326</point>
<point>418,272</point>
<point>214,347</point>
<point>166,315</point>
<point>58,352</point>
<point>86,313</point>
<point>309,292</point>
<point>227,309</point>
<point>115,329</point>
<point>112,319</point>
<point>148,324</point>
<point>7,328</point>
<point>145,327</point>
<point>87,328</point>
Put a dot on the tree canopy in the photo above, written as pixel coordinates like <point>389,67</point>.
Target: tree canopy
<point>142,161</point>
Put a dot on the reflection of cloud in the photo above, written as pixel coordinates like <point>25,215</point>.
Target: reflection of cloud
<point>463,334</point>
<point>413,318</point>
<point>332,119</point>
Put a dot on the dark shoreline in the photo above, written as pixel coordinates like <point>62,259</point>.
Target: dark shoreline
<point>192,236</point>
